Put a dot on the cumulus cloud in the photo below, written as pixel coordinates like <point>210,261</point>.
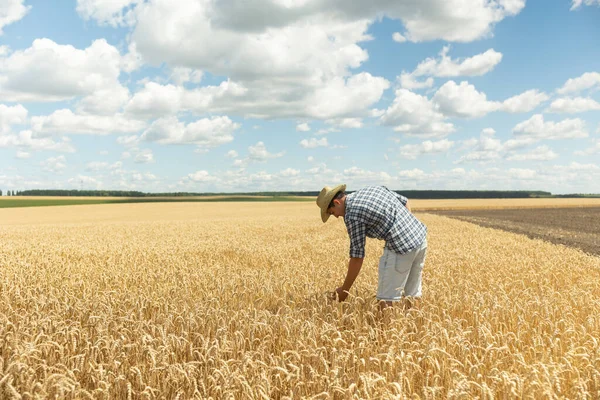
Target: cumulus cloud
<point>144,156</point>
<point>259,153</point>
<point>413,151</point>
<point>593,149</point>
<point>586,81</point>
<point>444,66</point>
<point>114,12</point>
<point>541,153</point>
<point>577,3</point>
<point>522,173</point>
<point>232,154</point>
<point>260,46</point>
<point>314,143</point>
<point>397,37</point>
<point>64,121</point>
<point>350,123</point>
<point>575,105</point>
<point>25,140</point>
<point>524,102</point>
<point>12,11</point>
<point>68,72</point>
<point>303,127</point>
<point>416,115</point>
<point>205,132</point>
<point>202,177</point>
<point>464,101</point>
<point>535,127</point>
<point>181,75</point>
<point>11,115</point>
<point>54,164</point>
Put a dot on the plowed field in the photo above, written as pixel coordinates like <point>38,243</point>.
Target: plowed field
<point>575,227</point>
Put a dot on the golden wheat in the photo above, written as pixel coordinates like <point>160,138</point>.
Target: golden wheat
<point>227,300</point>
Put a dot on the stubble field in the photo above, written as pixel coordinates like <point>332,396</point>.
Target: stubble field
<point>212,300</point>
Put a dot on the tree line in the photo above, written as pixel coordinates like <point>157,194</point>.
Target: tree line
<point>413,194</point>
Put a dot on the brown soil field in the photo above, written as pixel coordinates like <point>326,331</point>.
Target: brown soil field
<point>571,226</point>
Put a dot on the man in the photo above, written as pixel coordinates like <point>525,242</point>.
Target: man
<point>379,213</point>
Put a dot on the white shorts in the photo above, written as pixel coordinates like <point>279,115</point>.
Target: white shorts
<point>400,274</point>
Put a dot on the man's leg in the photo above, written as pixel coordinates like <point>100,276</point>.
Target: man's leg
<point>413,287</point>
<point>394,269</point>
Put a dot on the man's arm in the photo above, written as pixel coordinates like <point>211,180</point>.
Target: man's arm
<point>354,266</point>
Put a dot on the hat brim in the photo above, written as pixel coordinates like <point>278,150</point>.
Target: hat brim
<point>339,188</point>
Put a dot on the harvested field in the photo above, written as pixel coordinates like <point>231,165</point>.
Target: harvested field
<point>227,301</point>
<point>576,227</point>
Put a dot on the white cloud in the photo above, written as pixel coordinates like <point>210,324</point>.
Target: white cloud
<point>289,172</point>
<point>205,132</point>
<point>259,153</point>
<point>107,12</point>
<point>144,156</point>
<point>96,166</point>
<point>524,102</point>
<point>314,143</point>
<point>349,123</point>
<point>593,149</point>
<point>202,177</point>
<point>23,155</point>
<point>541,153</point>
<point>412,151</point>
<point>85,181</point>
<point>156,100</point>
<point>408,81</point>
<point>303,127</point>
<point>26,140</point>
<point>535,127</point>
<point>232,154</point>
<point>14,115</point>
<point>128,141</point>
<point>261,47</point>
<point>350,96</point>
<point>577,3</point>
<point>12,11</point>
<point>414,173</point>
<point>414,114</point>
<point>67,72</point>
<point>66,122</point>
<point>54,164</point>
<point>397,37</point>
<point>106,101</point>
<point>181,75</point>
<point>586,81</point>
<point>573,105</point>
<point>445,66</point>
<point>522,173</point>
<point>464,101</point>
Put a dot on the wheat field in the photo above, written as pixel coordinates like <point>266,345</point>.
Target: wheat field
<point>228,301</point>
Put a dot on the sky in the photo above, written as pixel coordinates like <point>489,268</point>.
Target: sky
<point>293,95</point>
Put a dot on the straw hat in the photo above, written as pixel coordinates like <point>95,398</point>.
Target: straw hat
<point>325,197</point>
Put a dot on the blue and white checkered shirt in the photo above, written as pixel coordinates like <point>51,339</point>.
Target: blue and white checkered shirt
<point>380,213</point>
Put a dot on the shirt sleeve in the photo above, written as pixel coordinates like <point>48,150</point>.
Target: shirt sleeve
<point>402,199</point>
<point>357,232</point>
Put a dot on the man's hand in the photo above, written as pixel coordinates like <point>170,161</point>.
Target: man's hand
<point>341,294</point>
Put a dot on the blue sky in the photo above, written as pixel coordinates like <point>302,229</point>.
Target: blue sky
<point>234,96</point>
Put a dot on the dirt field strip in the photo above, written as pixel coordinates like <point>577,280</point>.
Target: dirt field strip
<point>577,227</point>
<point>227,301</point>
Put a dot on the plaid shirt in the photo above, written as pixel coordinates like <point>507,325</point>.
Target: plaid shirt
<point>379,213</point>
